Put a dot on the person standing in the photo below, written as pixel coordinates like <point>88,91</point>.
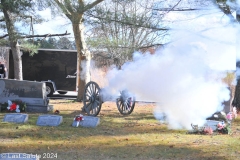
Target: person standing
<point>3,70</point>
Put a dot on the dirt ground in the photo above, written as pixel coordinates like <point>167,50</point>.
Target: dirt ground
<point>73,106</point>
<point>107,107</point>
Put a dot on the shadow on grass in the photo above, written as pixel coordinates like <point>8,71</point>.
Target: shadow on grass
<point>143,151</point>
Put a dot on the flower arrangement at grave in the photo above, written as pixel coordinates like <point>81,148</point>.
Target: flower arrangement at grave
<point>223,125</point>
<point>79,118</point>
<point>14,106</point>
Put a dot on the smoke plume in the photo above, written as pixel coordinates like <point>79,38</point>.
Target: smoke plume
<point>184,77</point>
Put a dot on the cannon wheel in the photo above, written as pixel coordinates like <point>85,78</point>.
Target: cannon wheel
<point>91,99</point>
<point>125,104</point>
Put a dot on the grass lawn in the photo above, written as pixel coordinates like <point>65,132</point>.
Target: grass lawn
<point>137,136</point>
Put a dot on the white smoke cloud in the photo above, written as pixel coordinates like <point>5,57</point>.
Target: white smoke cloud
<point>183,77</point>
<point>180,78</point>
<point>85,72</point>
<point>235,5</point>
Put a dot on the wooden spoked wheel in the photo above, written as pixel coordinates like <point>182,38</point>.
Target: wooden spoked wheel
<point>125,103</point>
<point>91,99</point>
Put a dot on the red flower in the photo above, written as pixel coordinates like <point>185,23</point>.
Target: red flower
<point>78,118</point>
<point>13,107</point>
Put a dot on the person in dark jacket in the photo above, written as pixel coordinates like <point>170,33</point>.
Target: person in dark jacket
<point>3,70</point>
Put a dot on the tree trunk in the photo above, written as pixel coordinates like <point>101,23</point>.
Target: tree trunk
<point>13,44</point>
<point>236,99</point>
<point>17,60</point>
<point>83,58</point>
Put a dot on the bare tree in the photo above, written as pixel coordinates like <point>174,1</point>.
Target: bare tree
<point>74,10</point>
<point>121,27</point>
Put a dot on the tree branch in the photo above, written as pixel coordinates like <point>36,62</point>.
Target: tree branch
<point>1,37</point>
<point>128,23</point>
<point>178,9</point>
<point>89,6</point>
<point>174,6</point>
<point>140,47</point>
<point>66,12</point>
<point>152,45</point>
<point>44,35</point>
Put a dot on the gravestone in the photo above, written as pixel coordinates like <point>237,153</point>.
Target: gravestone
<point>15,118</point>
<point>89,121</point>
<point>30,92</point>
<point>49,120</point>
<point>212,123</point>
<point>20,156</point>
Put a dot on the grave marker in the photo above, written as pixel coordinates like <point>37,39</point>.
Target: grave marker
<point>212,123</point>
<point>31,92</point>
<point>89,121</point>
<point>15,118</point>
<point>49,120</point>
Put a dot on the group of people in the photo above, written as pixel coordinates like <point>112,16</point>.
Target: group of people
<point>3,70</point>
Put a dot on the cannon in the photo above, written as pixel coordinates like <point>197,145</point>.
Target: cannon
<point>93,99</point>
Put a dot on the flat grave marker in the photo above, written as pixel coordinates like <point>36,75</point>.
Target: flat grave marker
<point>49,120</point>
<point>15,118</point>
<point>89,121</point>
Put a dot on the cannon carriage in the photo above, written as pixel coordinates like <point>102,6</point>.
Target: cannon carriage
<point>93,99</point>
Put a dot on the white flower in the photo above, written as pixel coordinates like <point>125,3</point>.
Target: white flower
<point>17,109</point>
<point>9,104</point>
